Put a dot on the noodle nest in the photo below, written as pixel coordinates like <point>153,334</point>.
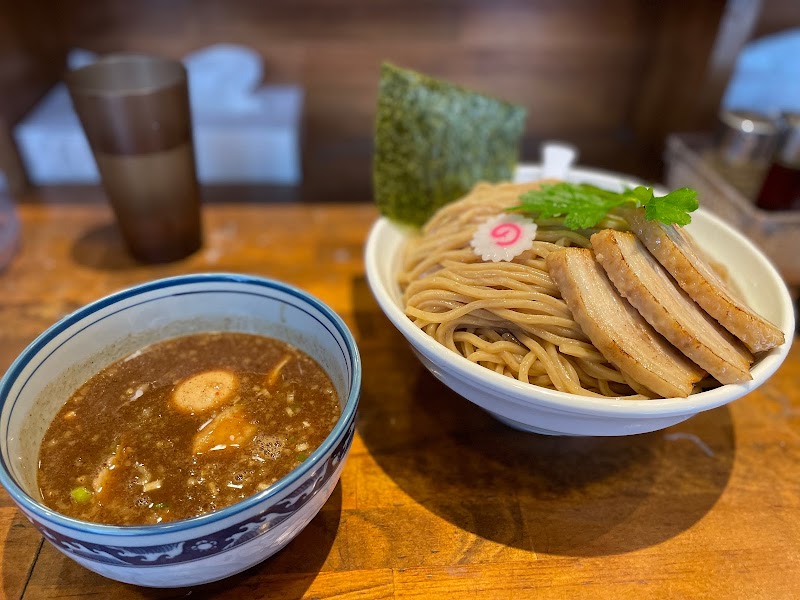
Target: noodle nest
<point>506,316</point>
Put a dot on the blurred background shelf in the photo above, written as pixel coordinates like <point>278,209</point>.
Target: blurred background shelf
<point>613,78</point>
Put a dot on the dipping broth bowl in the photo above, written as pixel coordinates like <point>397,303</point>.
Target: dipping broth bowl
<point>214,545</point>
<point>542,410</point>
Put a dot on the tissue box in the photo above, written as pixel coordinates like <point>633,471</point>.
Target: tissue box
<point>261,146</point>
<point>688,160</point>
<point>52,144</point>
<point>243,132</point>
<point>258,147</point>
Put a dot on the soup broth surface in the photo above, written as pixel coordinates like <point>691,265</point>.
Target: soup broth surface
<point>184,427</point>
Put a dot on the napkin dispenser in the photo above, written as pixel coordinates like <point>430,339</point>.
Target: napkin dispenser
<point>243,132</point>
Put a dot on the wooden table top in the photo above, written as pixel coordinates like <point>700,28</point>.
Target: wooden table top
<point>437,499</point>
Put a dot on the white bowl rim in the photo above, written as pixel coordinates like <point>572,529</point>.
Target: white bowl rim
<point>87,527</point>
<point>525,393</point>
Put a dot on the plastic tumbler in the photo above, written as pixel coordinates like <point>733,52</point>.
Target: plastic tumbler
<point>135,112</point>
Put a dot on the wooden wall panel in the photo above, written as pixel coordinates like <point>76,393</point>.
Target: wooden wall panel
<point>777,15</point>
<point>552,59</point>
<point>575,65</point>
<point>675,83</point>
<point>31,59</point>
<point>611,77</point>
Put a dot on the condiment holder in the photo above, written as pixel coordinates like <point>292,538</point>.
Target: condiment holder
<point>690,161</point>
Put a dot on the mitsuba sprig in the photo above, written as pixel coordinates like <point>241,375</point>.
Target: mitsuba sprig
<point>583,206</point>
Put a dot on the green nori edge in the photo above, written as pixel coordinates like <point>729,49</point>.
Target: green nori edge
<point>434,141</point>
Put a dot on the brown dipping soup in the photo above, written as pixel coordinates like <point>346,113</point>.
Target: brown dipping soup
<point>184,427</point>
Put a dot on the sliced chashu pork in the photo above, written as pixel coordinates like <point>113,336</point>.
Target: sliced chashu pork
<point>675,250</point>
<point>647,286</point>
<point>616,329</point>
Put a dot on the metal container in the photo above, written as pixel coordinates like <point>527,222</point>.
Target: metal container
<point>746,137</point>
<point>788,153</point>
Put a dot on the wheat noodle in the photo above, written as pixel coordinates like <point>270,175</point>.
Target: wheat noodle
<point>505,316</point>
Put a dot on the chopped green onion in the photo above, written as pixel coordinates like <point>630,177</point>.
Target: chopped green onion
<point>161,505</point>
<point>81,495</point>
<point>301,457</point>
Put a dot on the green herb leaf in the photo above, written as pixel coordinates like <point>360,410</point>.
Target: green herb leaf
<point>435,140</point>
<point>301,457</point>
<point>642,194</point>
<point>672,208</point>
<point>583,206</point>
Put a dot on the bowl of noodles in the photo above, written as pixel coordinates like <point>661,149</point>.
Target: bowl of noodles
<point>501,335</point>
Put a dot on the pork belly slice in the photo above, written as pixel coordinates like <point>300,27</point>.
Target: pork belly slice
<point>641,280</point>
<point>616,329</point>
<point>675,250</point>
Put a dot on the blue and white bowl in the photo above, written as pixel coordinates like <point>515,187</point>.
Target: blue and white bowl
<point>214,545</point>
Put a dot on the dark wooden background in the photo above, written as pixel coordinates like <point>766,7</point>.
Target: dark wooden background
<point>612,77</point>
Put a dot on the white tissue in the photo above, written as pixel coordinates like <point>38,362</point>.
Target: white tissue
<point>243,132</point>
<point>557,160</point>
<point>766,77</point>
<point>223,79</point>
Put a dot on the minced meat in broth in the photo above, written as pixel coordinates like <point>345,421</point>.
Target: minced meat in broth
<point>184,427</point>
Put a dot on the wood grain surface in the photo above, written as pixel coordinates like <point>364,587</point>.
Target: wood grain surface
<point>609,77</point>
<point>437,499</point>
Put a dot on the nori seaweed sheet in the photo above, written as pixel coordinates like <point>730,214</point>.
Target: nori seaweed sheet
<point>435,140</point>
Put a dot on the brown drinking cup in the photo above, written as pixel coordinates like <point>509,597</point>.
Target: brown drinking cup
<point>135,111</point>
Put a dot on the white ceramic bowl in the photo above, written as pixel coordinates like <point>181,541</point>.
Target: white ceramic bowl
<point>217,544</point>
<point>541,410</point>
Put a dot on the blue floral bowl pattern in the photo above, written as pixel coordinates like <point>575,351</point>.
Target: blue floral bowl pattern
<point>211,546</point>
